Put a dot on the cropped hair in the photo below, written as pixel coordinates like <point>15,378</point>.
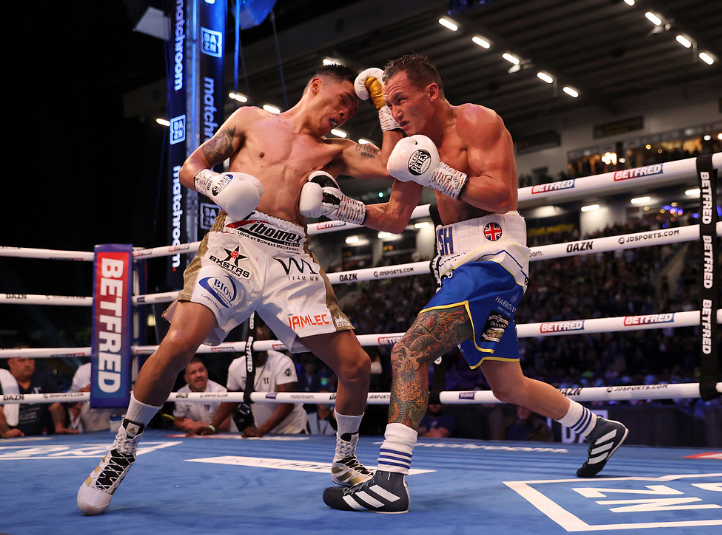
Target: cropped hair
<point>419,70</point>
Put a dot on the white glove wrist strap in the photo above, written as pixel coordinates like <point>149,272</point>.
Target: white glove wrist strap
<point>448,180</point>
<point>207,183</point>
<point>387,120</point>
<point>351,211</point>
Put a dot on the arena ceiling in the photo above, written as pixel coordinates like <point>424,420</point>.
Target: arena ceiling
<point>603,49</point>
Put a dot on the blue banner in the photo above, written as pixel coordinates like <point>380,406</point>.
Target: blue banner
<point>178,132</point>
<point>112,326</point>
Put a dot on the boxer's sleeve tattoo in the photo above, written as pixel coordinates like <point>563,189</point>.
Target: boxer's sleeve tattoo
<point>433,333</point>
<point>367,151</point>
<point>220,147</point>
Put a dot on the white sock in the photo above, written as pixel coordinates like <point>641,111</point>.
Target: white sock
<point>579,419</point>
<point>140,412</point>
<point>347,424</point>
<point>395,454</point>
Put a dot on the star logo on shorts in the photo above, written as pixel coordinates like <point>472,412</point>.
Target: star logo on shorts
<point>234,256</point>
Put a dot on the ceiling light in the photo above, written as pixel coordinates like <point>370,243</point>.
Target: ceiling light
<point>163,122</point>
<point>629,2</point>
<point>682,40</point>
<point>707,137</point>
<point>421,224</point>
<point>706,58</point>
<point>271,109</point>
<point>590,208</point>
<point>694,192</point>
<point>511,59</point>
<point>446,23</point>
<point>481,42</point>
<point>653,18</point>
<point>352,239</point>
<point>339,133</point>
<point>383,235</point>
<point>571,92</point>
<point>331,61</point>
<point>641,200</point>
<point>238,97</point>
<point>544,76</point>
<point>381,194</point>
<point>363,141</point>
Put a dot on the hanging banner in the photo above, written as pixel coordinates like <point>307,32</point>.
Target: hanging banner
<point>212,45</point>
<point>177,132</point>
<point>112,326</point>
<point>709,278</point>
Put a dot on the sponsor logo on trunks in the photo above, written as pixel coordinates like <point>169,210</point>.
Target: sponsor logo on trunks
<point>492,231</point>
<point>638,172</point>
<point>302,270</point>
<point>223,290</point>
<point>301,322</point>
<point>580,246</point>
<point>562,326</point>
<point>388,340</point>
<point>260,231</point>
<point>419,162</point>
<point>445,241</point>
<point>553,186</point>
<point>342,322</point>
<point>506,304</point>
<point>230,263</point>
<point>496,324</point>
<point>466,395</point>
<point>648,319</point>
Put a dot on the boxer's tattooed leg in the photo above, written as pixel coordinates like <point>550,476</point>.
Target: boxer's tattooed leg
<point>433,333</point>
<point>220,147</point>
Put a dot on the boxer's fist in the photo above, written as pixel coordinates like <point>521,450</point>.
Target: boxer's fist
<point>236,193</point>
<point>368,85</point>
<point>414,158</point>
<point>321,196</point>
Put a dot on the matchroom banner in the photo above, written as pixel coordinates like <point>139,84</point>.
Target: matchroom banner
<point>212,44</point>
<point>112,326</point>
<point>179,131</point>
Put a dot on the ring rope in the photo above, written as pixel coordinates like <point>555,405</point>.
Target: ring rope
<point>543,252</point>
<point>673,320</point>
<point>448,397</point>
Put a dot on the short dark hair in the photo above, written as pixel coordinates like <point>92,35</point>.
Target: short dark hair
<point>419,70</point>
<point>339,73</point>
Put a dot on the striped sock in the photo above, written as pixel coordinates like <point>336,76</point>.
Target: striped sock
<point>579,419</point>
<point>395,454</point>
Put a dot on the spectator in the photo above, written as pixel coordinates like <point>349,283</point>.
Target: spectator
<point>322,421</point>
<point>528,426</point>
<point>436,423</point>
<point>83,418</point>
<point>28,419</point>
<point>275,372</point>
<point>190,415</point>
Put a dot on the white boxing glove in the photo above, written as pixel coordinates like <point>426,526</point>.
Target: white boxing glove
<point>368,85</point>
<point>236,193</point>
<point>321,196</point>
<point>416,158</point>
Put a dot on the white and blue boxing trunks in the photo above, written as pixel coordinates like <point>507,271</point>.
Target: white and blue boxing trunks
<point>483,265</point>
<point>261,264</point>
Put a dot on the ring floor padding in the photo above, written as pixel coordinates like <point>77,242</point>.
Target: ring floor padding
<point>226,485</point>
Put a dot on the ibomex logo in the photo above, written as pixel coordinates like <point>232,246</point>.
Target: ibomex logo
<point>224,290</point>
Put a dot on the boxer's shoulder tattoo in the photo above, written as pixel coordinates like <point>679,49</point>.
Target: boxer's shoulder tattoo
<point>367,151</point>
<point>220,146</point>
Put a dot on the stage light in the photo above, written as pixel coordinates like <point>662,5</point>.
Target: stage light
<point>446,23</point>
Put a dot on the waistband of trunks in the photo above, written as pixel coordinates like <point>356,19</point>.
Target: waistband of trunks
<point>465,236</point>
<point>263,227</point>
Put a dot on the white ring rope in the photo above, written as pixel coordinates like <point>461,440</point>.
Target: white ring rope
<point>659,174</point>
<point>543,252</point>
<point>673,320</point>
<point>450,397</point>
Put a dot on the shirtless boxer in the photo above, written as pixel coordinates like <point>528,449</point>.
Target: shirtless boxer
<point>255,258</point>
<point>466,154</point>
